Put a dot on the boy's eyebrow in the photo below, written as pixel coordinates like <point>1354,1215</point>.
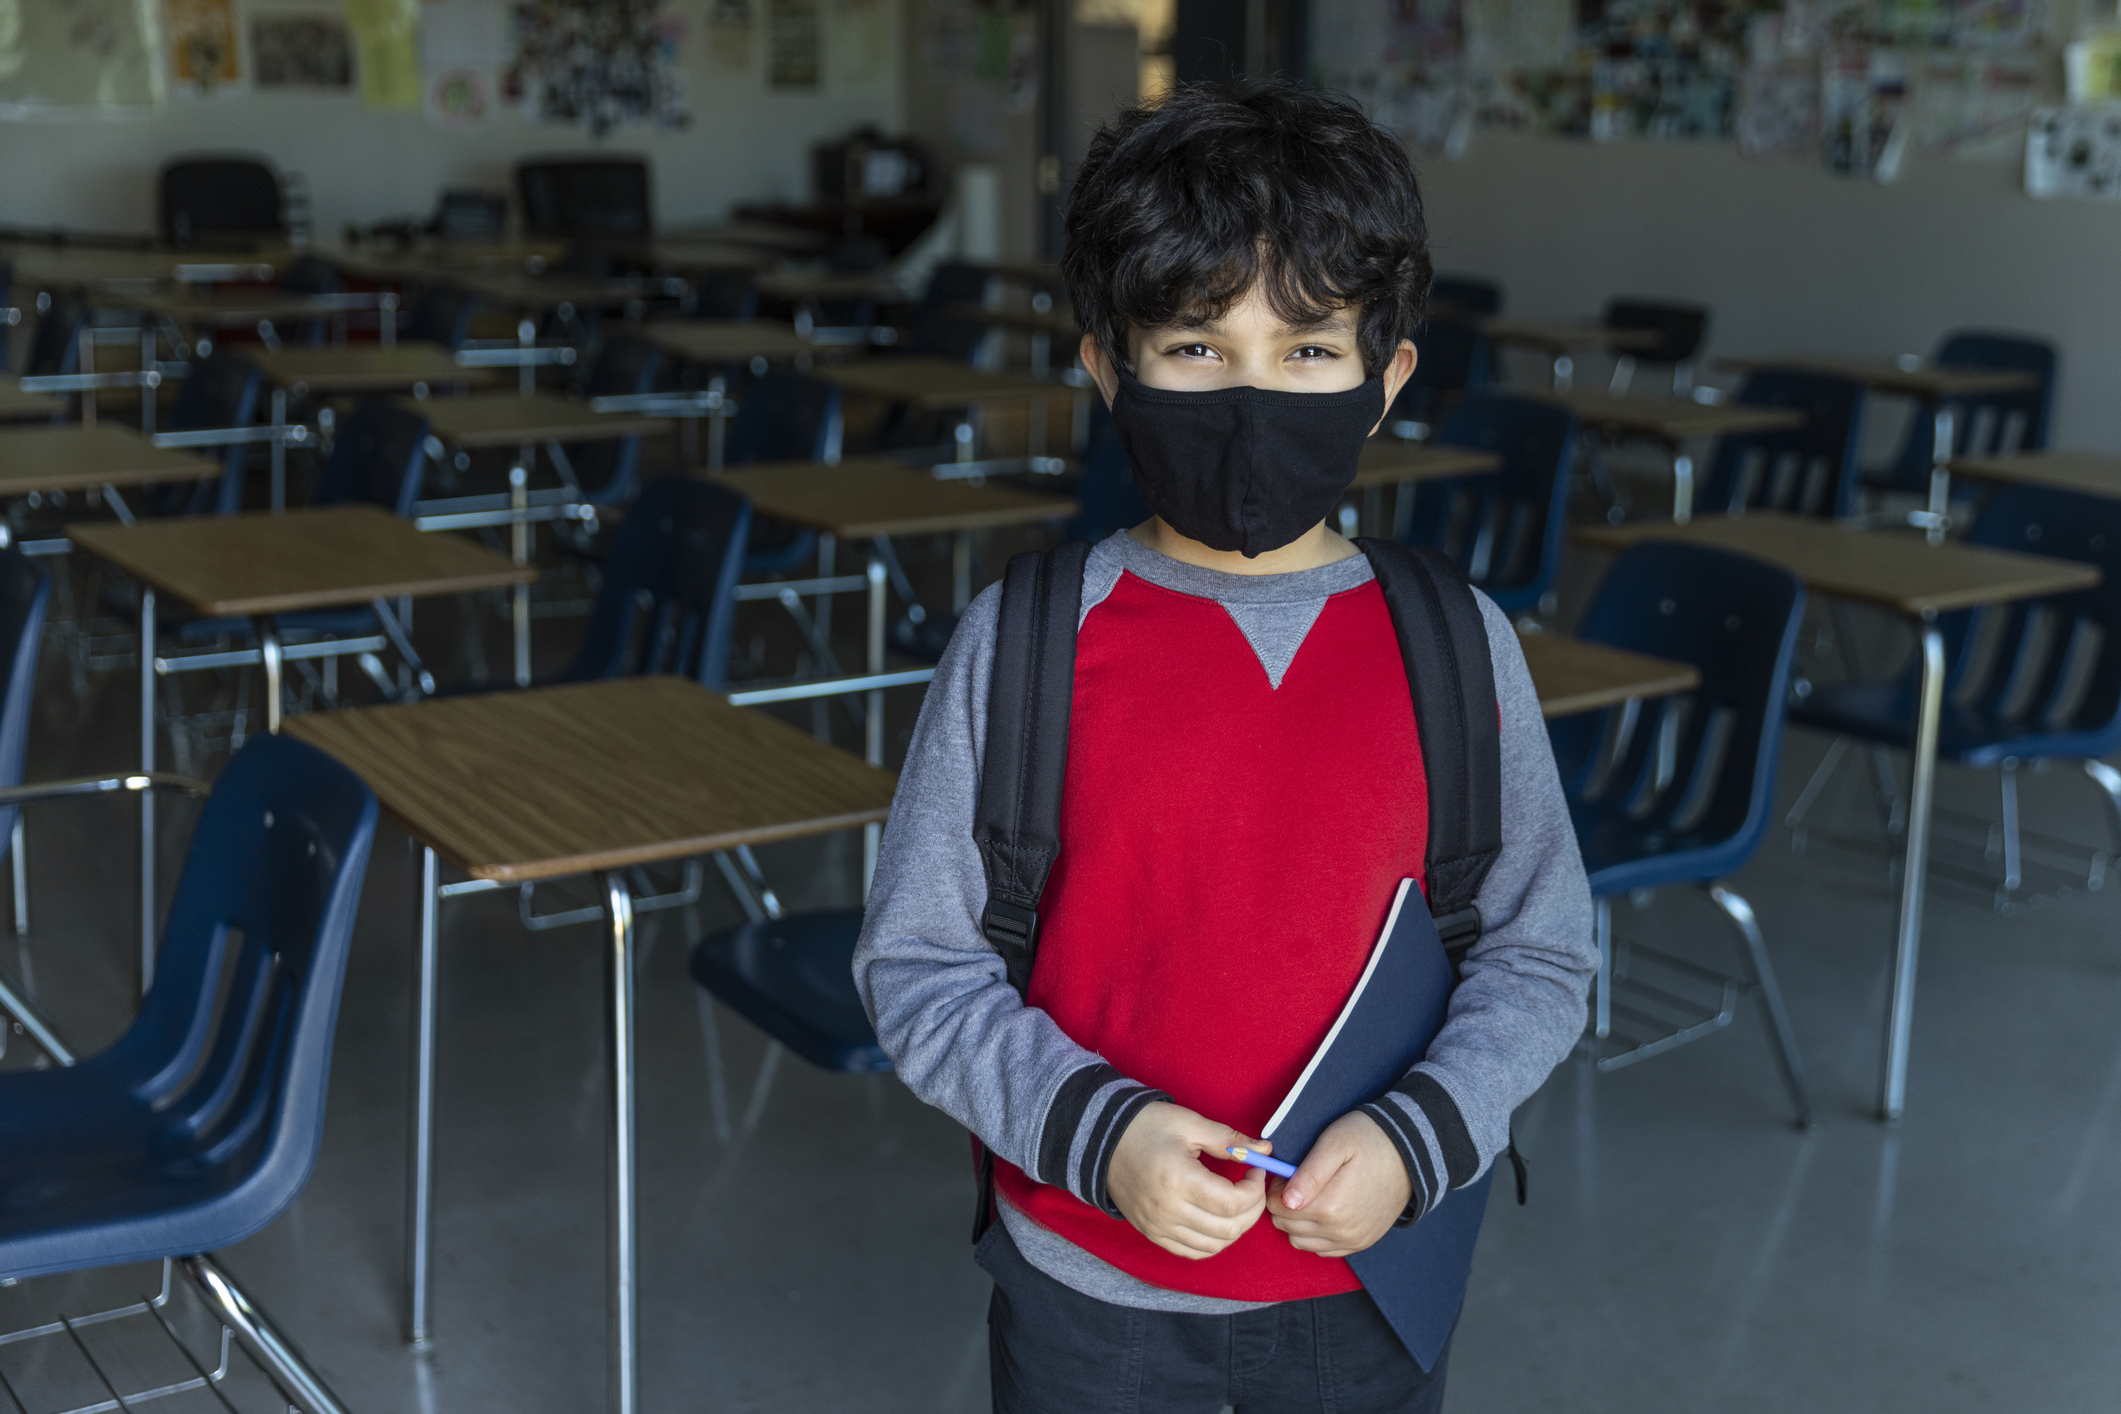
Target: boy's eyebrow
<point>1332,320</point>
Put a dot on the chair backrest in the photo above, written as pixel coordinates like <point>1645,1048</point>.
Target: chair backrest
<point>625,363</point>
<point>25,592</point>
<point>1453,360</point>
<point>608,471</point>
<point>668,599</point>
<point>1679,327</point>
<point>2048,665</point>
<point>1983,424</point>
<point>1697,769</point>
<point>378,456</point>
<point>724,292</point>
<point>1808,470</point>
<point>933,330</point>
<point>1462,296</point>
<point>231,1048</point>
<point>311,275</point>
<point>220,391</point>
<point>56,346</point>
<point>1504,527</point>
<point>471,215</point>
<point>785,417</point>
<point>585,196</point>
<point>442,315</point>
<point>209,196</point>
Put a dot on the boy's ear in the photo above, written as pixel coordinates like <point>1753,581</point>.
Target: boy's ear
<point>1397,372</point>
<point>1100,368</point>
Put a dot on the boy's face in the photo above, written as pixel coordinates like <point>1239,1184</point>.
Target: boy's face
<point>1250,347</point>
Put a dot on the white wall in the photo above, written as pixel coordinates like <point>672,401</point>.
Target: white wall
<point>746,143</point>
<point>1791,259</point>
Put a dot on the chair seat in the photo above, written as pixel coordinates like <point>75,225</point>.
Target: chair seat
<point>793,978</point>
<point>777,549</point>
<point>1884,712</point>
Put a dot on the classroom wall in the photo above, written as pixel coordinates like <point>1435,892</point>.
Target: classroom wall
<point>745,143</point>
<point>1790,258</point>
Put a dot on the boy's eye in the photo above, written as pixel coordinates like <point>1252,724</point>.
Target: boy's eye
<point>1193,351</point>
<point>1313,351</point>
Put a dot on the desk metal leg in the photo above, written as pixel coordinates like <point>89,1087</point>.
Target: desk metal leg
<point>279,450</point>
<point>1892,1086</point>
<point>1937,518</point>
<point>519,546</point>
<point>147,797</point>
<point>420,1146</point>
<point>960,576</point>
<point>1682,488</point>
<point>623,1310</point>
<point>873,718</point>
<point>1564,373</point>
<point>269,650</point>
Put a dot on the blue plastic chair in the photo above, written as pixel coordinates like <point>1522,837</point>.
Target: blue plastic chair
<point>1455,361</point>
<point>200,1125</point>
<point>609,472</point>
<point>1679,330</point>
<point>1503,528</point>
<point>668,601</point>
<point>220,392</point>
<point>55,345</point>
<point>1106,490</point>
<point>1986,424</point>
<point>933,330</point>
<point>1679,790</point>
<point>793,978</point>
<point>1809,470</point>
<point>442,315</point>
<point>2045,693</point>
<point>784,417</point>
<point>722,292</point>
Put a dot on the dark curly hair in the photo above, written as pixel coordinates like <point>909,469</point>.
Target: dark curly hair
<point>1185,204</point>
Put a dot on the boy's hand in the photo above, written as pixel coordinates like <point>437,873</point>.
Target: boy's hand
<point>1347,1192</point>
<point>1159,1184</point>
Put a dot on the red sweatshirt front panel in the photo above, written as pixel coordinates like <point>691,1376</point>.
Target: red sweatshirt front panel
<point>1229,851</point>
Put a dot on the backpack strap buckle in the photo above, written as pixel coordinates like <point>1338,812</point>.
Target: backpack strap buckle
<point>1459,931</point>
<point>1011,930</point>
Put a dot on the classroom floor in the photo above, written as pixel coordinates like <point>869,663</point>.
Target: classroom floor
<point>1685,1247</point>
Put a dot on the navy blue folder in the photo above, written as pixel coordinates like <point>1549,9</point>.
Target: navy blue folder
<point>1416,1275</point>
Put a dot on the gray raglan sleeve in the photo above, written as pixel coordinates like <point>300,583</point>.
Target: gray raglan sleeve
<point>944,1011</point>
<point>1519,1006</point>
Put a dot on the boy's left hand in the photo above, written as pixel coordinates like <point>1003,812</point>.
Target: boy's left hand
<point>1347,1192</point>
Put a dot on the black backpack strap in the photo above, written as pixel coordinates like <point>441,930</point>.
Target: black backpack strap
<point>1444,642</point>
<point>1016,824</point>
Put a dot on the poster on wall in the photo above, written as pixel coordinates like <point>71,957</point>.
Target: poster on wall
<point>2075,152</point>
<point>300,50</point>
<point>599,64</point>
<point>729,27</point>
<point>386,51</point>
<point>1778,109</point>
<point>858,44</point>
<point>794,44</point>
<point>1862,98</point>
<point>1974,106</point>
<point>203,54</point>
<point>464,47</point>
<point>66,56</point>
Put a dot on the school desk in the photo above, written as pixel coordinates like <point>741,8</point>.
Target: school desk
<point>41,266</point>
<point>1403,466</point>
<point>1672,423</point>
<point>1928,386</point>
<point>76,458</point>
<point>936,384</point>
<point>260,564</point>
<point>1907,576</point>
<point>630,772</point>
<point>2086,473</point>
<point>723,341</point>
<point>809,293</point>
<point>1572,675</point>
<point>755,235</point>
<point>1563,339</point>
<point>18,406</point>
<point>1045,326</point>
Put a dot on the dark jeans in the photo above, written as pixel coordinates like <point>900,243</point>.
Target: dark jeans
<point>1054,1350</point>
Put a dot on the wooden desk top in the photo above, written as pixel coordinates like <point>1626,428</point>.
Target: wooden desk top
<point>760,234</point>
<point>68,457</point>
<point>1884,375</point>
<point>1386,462</point>
<point>1672,419</point>
<point>829,287</point>
<point>44,266</point>
<point>221,308</point>
<point>388,263</point>
<point>1896,571</point>
<point>1573,676</point>
<point>663,253</point>
<point>368,369</point>
<point>1027,321</point>
<point>18,406</point>
<point>540,292</point>
<point>2088,473</point>
<point>624,772</point>
<point>875,496</point>
<point>725,340</point>
<point>934,382</point>
<point>321,558</point>
<point>508,419</point>
<point>1562,335</point>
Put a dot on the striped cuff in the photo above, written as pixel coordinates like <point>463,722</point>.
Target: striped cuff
<point>1424,1125</point>
<point>1090,1112</point>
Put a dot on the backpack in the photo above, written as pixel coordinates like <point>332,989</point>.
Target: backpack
<point>1016,824</point>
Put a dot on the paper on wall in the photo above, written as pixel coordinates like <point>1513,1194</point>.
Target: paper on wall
<point>2074,152</point>
<point>1518,34</point>
<point>729,27</point>
<point>202,43</point>
<point>385,36</point>
<point>1778,109</point>
<point>464,47</point>
<point>1862,98</point>
<point>1974,106</point>
<point>858,44</point>
<point>73,54</point>
<point>2092,68</point>
<point>300,49</point>
<point>794,43</point>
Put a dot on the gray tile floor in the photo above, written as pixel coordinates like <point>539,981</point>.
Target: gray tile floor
<point>1684,1247</point>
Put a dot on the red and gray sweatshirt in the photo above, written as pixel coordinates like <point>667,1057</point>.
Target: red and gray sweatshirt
<point>1244,793</point>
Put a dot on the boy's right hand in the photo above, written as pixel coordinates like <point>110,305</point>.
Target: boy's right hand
<point>1159,1184</point>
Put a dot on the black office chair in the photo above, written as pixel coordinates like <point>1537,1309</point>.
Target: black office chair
<point>1679,329</point>
<point>471,216</point>
<point>220,196</point>
<point>586,196</point>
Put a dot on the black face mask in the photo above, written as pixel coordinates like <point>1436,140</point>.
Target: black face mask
<point>1244,469</point>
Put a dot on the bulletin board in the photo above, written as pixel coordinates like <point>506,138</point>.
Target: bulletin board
<point>64,56</point>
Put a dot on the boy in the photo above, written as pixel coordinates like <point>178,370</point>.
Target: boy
<point>1243,793</point>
